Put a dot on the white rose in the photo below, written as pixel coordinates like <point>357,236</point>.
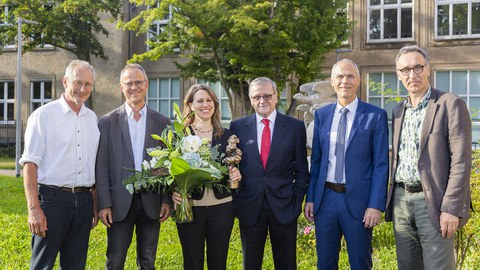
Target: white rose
<point>191,144</point>
<point>145,165</point>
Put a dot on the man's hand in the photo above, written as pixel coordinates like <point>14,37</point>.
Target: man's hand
<point>164,212</point>
<point>371,218</point>
<point>448,224</point>
<point>95,212</point>
<point>308,211</point>
<point>37,222</point>
<point>106,217</point>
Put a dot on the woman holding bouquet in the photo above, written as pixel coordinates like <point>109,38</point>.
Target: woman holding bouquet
<point>213,209</point>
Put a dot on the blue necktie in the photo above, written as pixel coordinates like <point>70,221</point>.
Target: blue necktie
<point>340,146</point>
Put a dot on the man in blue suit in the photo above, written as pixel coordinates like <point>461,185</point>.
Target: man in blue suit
<point>274,178</point>
<point>349,168</point>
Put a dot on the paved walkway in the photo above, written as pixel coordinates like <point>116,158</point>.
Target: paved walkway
<point>9,172</point>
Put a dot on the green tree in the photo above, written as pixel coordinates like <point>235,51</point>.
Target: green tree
<point>234,41</point>
<point>72,25</point>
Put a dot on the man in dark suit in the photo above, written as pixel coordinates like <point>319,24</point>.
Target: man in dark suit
<point>349,167</point>
<point>125,133</point>
<point>429,191</point>
<point>274,178</point>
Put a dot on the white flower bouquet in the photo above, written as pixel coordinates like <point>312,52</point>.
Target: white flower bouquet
<point>183,163</point>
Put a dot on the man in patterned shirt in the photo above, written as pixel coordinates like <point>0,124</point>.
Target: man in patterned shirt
<point>429,191</point>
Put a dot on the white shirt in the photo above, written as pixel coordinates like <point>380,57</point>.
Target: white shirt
<point>271,118</point>
<point>332,161</point>
<point>62,144</point>
<point>137,134</point>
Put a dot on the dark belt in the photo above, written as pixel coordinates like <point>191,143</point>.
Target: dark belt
<point>336,187</point>
<point>71,189</point>
<point>411,188</point>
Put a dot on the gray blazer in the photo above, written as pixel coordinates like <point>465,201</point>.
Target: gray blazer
<point>445,157</point>
<point>115,156</point>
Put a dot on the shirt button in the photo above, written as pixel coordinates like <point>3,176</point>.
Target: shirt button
<point>78,145</point>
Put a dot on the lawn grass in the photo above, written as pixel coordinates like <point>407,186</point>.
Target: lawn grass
<point>7,163</point>
<point>15,241</point>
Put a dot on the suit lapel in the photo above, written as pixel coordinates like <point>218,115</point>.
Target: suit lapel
<point>123,123</point>
<point>429,117</point>
<point>359,114</point>
<point>149,128</point>
<point>398,114</point>
<point>251,131</point>
<point>279,131</point>
<point>327,127</point>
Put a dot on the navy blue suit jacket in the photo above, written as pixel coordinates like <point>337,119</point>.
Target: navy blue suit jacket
<point>285,179</point>
<point>366,158</point>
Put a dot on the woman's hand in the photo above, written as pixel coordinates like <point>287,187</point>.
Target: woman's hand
<point>234,173</point>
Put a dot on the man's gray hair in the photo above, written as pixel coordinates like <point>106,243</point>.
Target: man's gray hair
<point>412,48</point>
<point>132,66</point>
<point>78,64</point>
<point>263,80</point>
<point>345,60</point>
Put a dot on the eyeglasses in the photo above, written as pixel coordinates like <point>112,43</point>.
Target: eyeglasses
<point>406,71</point>
<point>80,84</point>
<point>265,97</point>
<point>130,84</point>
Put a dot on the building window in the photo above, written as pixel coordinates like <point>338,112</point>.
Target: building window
<point>6,19</point>
<point>221,94</point>
<point>465,84</point>
<point>40,93</point>
<point>158,26</point>
<point>390,20</point>
<point>162,93</point>
<point>384,90</point>
<point>7,102</point>
<point>457,19</point>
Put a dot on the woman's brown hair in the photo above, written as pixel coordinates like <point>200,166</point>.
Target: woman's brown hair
<point>190,117</point>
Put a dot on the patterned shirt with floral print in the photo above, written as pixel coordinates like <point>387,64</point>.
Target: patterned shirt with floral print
<point>407,170</point>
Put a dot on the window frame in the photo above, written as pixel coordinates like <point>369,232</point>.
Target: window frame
<point>450,35</point>
<point>467,96</point>
<point>42,100</point>
<point>8,100</point>
<point>382,7</point>
<point>170,99</point>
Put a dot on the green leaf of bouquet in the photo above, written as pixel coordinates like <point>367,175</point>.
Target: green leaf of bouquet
<point>187,178</point>
<point>158,153</point>
<point>156,137</point>
<point>178,115</point>
<point>178,127</point>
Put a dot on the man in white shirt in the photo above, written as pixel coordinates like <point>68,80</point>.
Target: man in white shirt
<point>61,141</point>
<point>125,135</point>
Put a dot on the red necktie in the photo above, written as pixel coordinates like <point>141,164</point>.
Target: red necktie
<point>265,147</point>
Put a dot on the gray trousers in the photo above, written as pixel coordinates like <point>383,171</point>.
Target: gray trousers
<point>419,244</point>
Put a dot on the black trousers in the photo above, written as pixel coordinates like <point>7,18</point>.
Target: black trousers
<point>119,238</point>
<point>282,237</point>
<point>211,225</point>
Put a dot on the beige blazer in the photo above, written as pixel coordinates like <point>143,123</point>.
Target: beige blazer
<point>445,157</point>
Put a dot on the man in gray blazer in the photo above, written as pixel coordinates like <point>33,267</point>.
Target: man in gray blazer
<point>429,191</point>
<point>125,133</point>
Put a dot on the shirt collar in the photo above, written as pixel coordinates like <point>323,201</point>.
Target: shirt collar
<point>423,103</point>
<point>352,107</point>
<point>129,110</point>
<point>271,117</point>
<point>66,108</point>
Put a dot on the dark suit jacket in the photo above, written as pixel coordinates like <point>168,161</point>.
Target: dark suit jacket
<point>366,158</point>
<point>222,145</point>
<point>115,157</point>
<point>445,157</point>
<point>286,177</point>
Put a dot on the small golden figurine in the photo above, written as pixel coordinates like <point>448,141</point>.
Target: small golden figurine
<point>232,158</point>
